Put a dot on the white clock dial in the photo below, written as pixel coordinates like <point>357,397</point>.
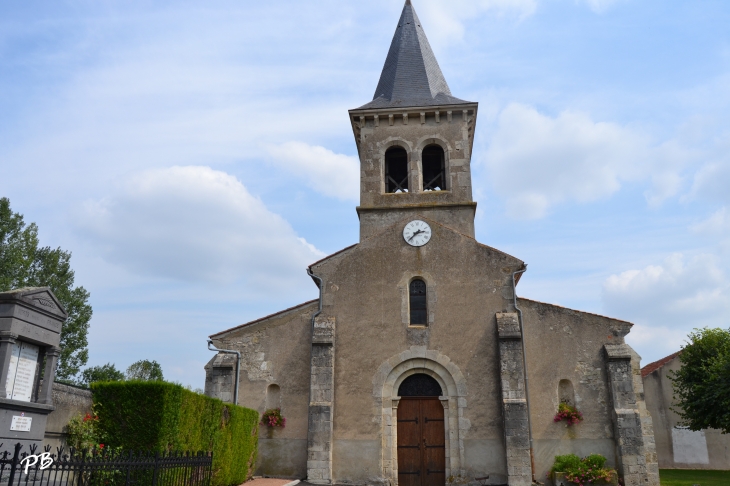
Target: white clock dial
<point>417,233</point>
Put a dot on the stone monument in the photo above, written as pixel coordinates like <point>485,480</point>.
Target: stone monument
<point>30,332</point>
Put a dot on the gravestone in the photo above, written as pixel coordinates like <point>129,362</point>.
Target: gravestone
<point>30,333</point>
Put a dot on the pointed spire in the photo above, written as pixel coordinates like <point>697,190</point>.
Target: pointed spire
<point>411,75</point>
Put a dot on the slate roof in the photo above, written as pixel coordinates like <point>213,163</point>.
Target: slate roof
<point>411,75</point>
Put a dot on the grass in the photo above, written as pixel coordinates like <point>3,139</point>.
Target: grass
<point>688,477</point>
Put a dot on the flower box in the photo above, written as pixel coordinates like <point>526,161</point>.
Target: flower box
<point>559,480</point>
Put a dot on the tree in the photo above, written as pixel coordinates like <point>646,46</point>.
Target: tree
<point>24,264</point>
<point>107,372</point>
<point>702,385</point>
<point>145,370</point>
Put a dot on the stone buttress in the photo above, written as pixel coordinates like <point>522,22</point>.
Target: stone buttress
<point>319,436</point>
<point>514,400</point>
<point>633,449</point>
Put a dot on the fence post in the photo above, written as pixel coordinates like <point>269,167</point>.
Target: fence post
<point>157,467</point>
<point>210,470</point>
<point>129,468</point>
<point>81,468</point>
<point>15,463</point>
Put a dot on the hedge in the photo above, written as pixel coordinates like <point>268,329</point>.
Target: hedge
<point>160,416</point>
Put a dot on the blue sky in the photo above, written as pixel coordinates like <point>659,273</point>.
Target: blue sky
<point>179,149</point>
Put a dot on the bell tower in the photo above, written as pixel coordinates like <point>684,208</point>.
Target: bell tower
<point>414,140</point>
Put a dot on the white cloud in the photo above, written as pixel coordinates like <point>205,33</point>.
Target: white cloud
<point>194,223</point>
<point>645,340</point>
<point>537,162</point>
<point>599,6</point>
<point>717,224</point>
<point>712,181</point>
<point>444,21</point>
<point>679,294</point>
<point>326,172</point>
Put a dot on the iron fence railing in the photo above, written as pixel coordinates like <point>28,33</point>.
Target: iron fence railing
<point>105,468</point>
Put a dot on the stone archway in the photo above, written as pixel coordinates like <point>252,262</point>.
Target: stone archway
<point>386,382</point>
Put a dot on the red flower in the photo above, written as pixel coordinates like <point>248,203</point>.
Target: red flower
<point>101,446</point>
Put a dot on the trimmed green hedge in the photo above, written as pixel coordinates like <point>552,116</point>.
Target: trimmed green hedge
<point>160,416</point>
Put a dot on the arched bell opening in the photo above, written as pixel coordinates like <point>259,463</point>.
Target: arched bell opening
<point>433,164</point>
<point>396,170</point>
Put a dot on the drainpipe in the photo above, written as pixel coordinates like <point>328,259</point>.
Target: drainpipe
<point>238,367</point>
<point>524,366</point>
<point>321,291</point>
<point>314,316</point>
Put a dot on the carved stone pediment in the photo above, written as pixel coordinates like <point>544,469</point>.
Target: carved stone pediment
<point>40,298</point>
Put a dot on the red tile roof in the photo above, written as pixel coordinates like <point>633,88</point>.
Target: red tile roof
<point>652,367</point>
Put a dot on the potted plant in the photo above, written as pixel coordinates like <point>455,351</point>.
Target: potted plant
<point>273,418</point>
<point>571,470</point>
<point>568,413</point>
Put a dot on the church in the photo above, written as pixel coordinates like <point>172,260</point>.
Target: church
<point>418,365</point>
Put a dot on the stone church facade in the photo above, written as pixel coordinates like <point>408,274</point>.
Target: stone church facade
<point>418,364</point>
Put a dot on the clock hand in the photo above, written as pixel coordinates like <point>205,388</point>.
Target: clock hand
<point>414,234</point>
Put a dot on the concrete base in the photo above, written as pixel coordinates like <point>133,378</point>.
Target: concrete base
<point>37,411</point>
<point>282,457</point>
<point>485,457</point>
<point>357,461</point>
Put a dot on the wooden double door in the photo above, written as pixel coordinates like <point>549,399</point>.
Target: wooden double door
<point>421,442</point>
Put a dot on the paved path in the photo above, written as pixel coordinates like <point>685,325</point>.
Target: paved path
<point>270,482</point>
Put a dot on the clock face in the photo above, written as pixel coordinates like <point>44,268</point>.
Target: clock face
<point>417,233</point>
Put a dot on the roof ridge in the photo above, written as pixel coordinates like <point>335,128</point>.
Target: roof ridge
<point>284,311</point>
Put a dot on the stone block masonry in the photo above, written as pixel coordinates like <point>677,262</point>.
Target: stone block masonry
<point>632,447</point>
<point>514,400</point>
<point>319,435</point>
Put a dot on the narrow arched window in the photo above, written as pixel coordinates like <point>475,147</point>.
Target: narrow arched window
<point>418,304</point>
<point>434,168</point>
<point>396,170</point>
<point>273,397</point>
<point>565,393</point>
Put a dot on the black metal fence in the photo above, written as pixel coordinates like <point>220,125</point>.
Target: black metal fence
<point>105,468</point>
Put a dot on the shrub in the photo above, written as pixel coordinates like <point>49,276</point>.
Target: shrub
<point>160,416</point>
<point>82,432</point>
<point>583,471</point>
<point>565,463</point>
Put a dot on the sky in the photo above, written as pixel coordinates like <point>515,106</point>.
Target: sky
<point>195,157</point>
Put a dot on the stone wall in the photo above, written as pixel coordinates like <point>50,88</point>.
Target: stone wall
<point>678,447</point>
<point>220,374</point>
<point>275,352</point>
<point>68,401</point>
<point>566,346</point>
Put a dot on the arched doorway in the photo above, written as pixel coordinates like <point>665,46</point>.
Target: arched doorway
<point>421,433</point>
